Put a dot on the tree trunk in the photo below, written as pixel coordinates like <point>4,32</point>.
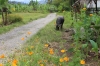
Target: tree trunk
<point>6,18</point>
<point>96,7</point>
<point>2,16</point>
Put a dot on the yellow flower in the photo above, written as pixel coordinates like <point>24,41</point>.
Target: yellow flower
<point>82,62</point>
<point>41,64</point>
<point>63,50</point>
<point>22,38</point>
<point>66,59</point>
<point>2,56</point>
<point>28,33</point>
<point>30,53</point>
<point>1,64</point>
<point>91,14</point>
<point>61,60</point>
<point>84,9</point>
<point>46,45</point>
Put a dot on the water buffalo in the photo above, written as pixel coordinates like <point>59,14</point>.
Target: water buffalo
<point>59,22</point>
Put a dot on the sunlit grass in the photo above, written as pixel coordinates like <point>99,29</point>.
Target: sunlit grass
<point>27,17</point>
<point>30,16</point>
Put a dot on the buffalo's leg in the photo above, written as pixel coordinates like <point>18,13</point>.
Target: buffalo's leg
<point>57,27</point>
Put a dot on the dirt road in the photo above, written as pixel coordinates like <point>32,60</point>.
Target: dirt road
<point>11,41</point>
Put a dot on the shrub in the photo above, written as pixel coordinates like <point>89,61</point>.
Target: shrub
<point>52,8</point>
<point>12,18</point>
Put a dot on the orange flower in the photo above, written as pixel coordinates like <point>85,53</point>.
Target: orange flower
<point>46,45</point>
<point>1,64</point>
<point>82,62</point>
<point>66,59</point>
<point>51,51</point>
<point>63,50</point>
<point>61,60</point>
<point>84,9</point>
<point>30,53</point>
<point>28,33</point>
<point>22,38</point>
<point>14,63</point>
<point>2,56</point>
<point>91,14</point>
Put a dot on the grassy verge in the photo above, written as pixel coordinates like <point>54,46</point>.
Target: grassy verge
<point>44,49</point>
<point>27,17</point>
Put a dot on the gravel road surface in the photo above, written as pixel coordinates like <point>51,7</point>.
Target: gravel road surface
<point>11,41</point>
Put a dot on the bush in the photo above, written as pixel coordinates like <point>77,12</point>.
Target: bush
<point>12,18</point>
<point>52,8</point>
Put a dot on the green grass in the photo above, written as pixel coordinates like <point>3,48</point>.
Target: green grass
<point>35,53</point>
<point>40,54</point>
<point>27,17</point>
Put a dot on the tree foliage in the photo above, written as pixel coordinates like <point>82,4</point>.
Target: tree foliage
<point>61,4</point>
<point>3,2</point>
<point>34,4</point>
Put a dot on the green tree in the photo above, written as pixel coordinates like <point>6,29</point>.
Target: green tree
<point>34,4</point>
<point>49,1</point>
<point>3,9</point>
<point>61,4</point>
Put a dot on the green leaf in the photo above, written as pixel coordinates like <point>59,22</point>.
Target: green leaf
<point>70,49</point>
<point>84,45</point>
<point>94,45</point>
